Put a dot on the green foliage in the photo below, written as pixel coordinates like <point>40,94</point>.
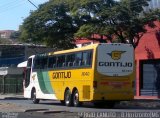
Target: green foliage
<point>57,22</point>
<point>122,21</point>
<point>51,24</point>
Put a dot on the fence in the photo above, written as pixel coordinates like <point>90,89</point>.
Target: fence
<point>12,84</point>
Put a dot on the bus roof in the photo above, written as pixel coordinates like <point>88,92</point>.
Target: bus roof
<point>92,46</point>
<point>88,47</point>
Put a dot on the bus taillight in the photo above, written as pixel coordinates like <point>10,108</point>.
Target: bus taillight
<point>95,84</point>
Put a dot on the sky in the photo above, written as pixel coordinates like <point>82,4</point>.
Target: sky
<point>12,12</point>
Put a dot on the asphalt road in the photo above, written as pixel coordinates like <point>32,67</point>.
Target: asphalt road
<point>50,109</point>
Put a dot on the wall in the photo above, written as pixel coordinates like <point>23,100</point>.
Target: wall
<point>148,49</point>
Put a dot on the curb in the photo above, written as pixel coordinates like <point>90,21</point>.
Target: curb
<point>35,110</point>
<point>52,111</point>
<point>45,111</point>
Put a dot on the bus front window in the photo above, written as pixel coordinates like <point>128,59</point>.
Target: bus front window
<point>28,72</point>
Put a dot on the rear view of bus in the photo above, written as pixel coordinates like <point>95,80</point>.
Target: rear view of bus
<point>114,73</point>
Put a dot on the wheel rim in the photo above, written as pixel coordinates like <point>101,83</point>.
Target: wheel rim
<point>76,98</point>
<point>34,96</point>
<point>67,99</point>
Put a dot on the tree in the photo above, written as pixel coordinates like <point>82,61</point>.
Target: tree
<point>58,23</point>
<point>50,24</point>
<point>122,21</point>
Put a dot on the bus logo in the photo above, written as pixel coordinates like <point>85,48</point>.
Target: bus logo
<point>116,55</point>
<point>33,77</point>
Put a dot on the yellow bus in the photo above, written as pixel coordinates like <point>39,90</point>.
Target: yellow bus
<point>98,73</point>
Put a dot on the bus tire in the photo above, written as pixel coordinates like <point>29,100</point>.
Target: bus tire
<point>76,102</point>
<point>62,102</point>
<point>68,98</point>
<point>33,96</point>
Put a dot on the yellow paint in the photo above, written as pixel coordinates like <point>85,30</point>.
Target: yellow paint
<point>77,80</point>
<point>116,55</point>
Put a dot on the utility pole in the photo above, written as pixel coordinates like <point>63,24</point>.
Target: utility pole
<point>32,4</point>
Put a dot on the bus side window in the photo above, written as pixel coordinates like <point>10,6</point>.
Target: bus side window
<point>37,63</point>
<point>44,62</point>
<point>61,61</point>
<point>87,58</point>
<point>40,62</point>
<point>70,59</point>
<point>84,60</point>
<point>52,62</point>
<point>78,58</point>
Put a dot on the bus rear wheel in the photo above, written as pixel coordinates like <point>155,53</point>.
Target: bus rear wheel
<point>34,99</point>
<point>62,102</point>
<point>75,99</point>
<point>68,98</point>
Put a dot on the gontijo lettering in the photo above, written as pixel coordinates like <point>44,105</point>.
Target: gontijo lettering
<point>58,75</point>
<point>116,64</point>
<point>116,55</point>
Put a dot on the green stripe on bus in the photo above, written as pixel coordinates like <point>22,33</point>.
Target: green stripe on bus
<point>44,82</point>
<point>47,83</point>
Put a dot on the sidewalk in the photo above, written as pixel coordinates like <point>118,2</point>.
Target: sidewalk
<point>11,96</point>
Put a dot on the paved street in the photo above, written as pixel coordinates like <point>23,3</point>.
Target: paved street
<point>25,108</point>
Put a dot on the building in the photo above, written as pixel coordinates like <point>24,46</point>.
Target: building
<point>83,42</point>
<point>5,34</point>
<point>13,54</point>
<point>11,77</point>
<point>148,65</point>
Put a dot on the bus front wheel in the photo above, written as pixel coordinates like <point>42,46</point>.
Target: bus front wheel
<point>76,101</point>
<point>68,98</point>
<point>34,99</point>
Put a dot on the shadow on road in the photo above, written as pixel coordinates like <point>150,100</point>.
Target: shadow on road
<point>137,104</point>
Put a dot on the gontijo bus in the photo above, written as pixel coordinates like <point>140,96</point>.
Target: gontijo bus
<point>99,73</point>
